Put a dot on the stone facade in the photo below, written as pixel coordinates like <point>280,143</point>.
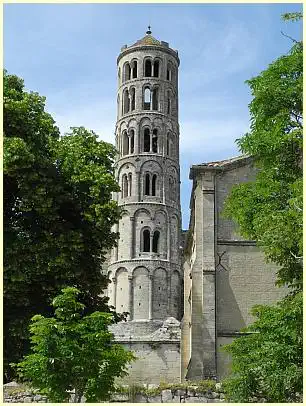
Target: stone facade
<point>145,267</point>
<point>224,275</point>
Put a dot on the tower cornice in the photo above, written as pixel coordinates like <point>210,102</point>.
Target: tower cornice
<point>161,48</point>
<point>145,155</point>
<point>152,80</point>
<point>146,113</point>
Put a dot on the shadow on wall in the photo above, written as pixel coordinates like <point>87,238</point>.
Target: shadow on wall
<point>201,339</point>
<point>229,317</point>
<point>232,307</point>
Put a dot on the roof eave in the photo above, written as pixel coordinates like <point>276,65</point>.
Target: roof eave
<point>243,160</point>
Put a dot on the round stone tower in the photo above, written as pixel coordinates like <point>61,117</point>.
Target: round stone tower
<point>145,267</point>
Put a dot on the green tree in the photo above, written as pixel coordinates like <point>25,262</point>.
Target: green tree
<point>269,210</point>
<point>73,351</point>
<point>58,214</point>
<point>267,362</point>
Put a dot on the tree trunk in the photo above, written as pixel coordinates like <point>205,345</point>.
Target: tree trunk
<point>77,396</point>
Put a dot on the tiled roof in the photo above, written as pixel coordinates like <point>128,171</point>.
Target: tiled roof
<point>147,40</point>
<point>224,162</point>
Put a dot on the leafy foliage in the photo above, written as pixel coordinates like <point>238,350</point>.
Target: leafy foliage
<point>292,16</point>
<point>73,351</point>
<point>58,214</point>
<point>268,363</point>
<point>269,210</point>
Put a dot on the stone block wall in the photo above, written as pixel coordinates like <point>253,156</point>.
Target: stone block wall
<point>184,395</point>
<point>226,228</point>
<point>148,393</point>
<point>156,362</point>
<point>244,279</point>
<point>157,348</point>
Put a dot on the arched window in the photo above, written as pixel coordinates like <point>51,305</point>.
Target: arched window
<point>119,74</point>
<point>148,68</point>
<point>154,178</point>
<point>150,184</point>
<point>147,184</point>
<point>130,185</point>
<point>125,143</point>
<point>126,103</point>
<point>154,141</point>
<point>147,99</point>
<point>146,140</point>
<point>118,104</point>
<point>146,241</point>
<point>132,137</point>
<point>168,102</point>
<point>170,71</point>
<point>155,99</point>
<point>125,186</point>
<point>118,143</point>
<point>134,70</point>
<point>174,189</point>
<point>156,69</point>
<point>171,187</point>
<point>132,99</point>
<point>127,72</point>
<point>168,144</point>
<point>156,241</point>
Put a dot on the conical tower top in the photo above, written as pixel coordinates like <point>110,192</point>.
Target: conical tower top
<point>148,40</point>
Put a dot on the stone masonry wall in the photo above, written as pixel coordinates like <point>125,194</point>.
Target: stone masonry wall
<point>16,393</point>
<point>156,362</point>
<point>243,278</point>
<point>156,345</point>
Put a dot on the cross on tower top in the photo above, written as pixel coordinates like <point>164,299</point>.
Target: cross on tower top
<point>149,30</point>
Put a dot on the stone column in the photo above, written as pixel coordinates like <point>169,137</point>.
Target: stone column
<point>208,277</point>
<point>138,185</point>
<point>117,246</point>
<point>114,291</point>
<point>130,304</point>
<point>129,144</point>
<point>150,296</point>
<point>132,247</point>
<point>151,131</point>
<point>169,240</point>
<point>137,140</point>
<point>169,292</point>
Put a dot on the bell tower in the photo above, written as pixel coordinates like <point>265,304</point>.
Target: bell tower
<point>145,267</point>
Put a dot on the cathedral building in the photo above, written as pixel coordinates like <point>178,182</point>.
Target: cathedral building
<point>180,310</point>
<point>225,275</point>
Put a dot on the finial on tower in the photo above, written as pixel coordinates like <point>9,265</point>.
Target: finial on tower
<point>149,30</point>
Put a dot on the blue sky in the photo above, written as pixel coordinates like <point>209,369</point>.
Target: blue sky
<point>67,52</point>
